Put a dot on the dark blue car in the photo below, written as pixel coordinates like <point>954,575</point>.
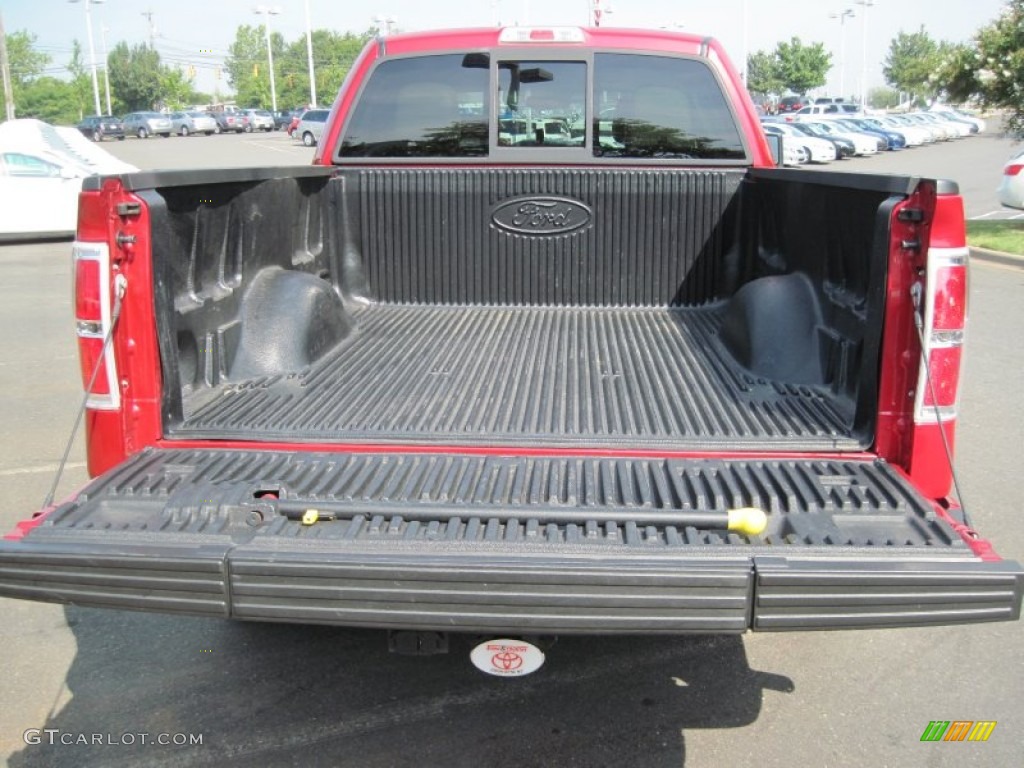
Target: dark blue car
<point>893,139</point>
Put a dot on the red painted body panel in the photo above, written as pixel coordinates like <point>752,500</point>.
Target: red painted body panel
<point>949,229</point>
<point>901,350</point>
<point>112,436</point>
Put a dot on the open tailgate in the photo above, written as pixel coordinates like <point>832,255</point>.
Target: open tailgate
<point>489,543</point>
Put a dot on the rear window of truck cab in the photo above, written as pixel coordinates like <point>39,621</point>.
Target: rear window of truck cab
<point>559,108</point>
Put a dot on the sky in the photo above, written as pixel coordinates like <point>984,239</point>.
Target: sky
<point>185,28</point>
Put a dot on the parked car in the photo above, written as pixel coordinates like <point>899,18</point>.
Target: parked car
<point>862,142</point>
<point>791,104</point>
<point>184,123</point>
<point>844,147</point>
<point>766,105</point>
<point>1011,190</point>
<point>928,135</point>
<point>311,126</point>
<point>41,172</point>
<point>100,127</point>
<point>960,127</point>
<point>146,124</point>
<point>941,132</point>
<point>818,150</point>
<point>230,121</point>
<point>258,120</point>
<point>893,139</point>
<point>819,110</point>
<point>945,109</point>
<point>283,118</point>
<point>952,117</point>
<point>914,135</point>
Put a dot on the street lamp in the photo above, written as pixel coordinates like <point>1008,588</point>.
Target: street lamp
<point>92,52</point>
<point>384,24</point>
<point>842,16</point>
<point>595,12</point>
<point>267,12</point>
<point>106,68</point>
<point>309,56</point>
<point>864,55</point>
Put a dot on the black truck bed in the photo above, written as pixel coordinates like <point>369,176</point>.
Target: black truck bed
<point>683,309</point>
<point>590,377</point>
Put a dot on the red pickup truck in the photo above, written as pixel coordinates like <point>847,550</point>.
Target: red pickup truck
<point>542,343</point>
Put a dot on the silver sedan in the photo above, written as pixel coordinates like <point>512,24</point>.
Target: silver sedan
<point>185,123</point>
<point>259,119</point>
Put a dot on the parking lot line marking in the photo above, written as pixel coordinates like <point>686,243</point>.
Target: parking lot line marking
<point>1000,215</point>
<point>264,145</point>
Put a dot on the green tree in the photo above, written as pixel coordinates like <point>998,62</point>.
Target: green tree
<point>246,65</point>
<point>135,76</point>
<point>911,60</point>
<point>26,64</point>
<point>801,67</point>
<point>333,56</point>
<point>81,83</point>
<point>51,100</point>
<point>883,98</point>
<point>763,74</point>
<point>993,71</point>
<point>176,91</point>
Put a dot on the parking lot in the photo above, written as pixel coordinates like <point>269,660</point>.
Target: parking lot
<point>272,695</point>
<point>976,162</point>
<point>225,150</point>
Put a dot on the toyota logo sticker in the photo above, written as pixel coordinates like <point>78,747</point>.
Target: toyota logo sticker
<point>507,658</point>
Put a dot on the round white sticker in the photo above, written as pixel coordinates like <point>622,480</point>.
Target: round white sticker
<point>507,658</point>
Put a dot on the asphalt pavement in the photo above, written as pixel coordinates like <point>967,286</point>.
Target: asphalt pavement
<point>282,695</point>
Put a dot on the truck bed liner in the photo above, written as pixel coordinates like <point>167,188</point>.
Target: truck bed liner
<point>528,375</point>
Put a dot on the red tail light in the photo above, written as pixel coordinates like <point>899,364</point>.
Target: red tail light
<point>92,322</point>
<point>945,318</point>
<point>1013,170</point>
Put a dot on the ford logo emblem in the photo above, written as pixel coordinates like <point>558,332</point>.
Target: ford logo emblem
<point>541,215</point>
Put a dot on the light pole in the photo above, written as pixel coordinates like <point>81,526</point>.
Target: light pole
<point>267,12</point>
<point>384,23</point>
<point>5,72</point>
<point>596,13</point>
<point>106,69</point>
<point>92,52</point>
<point>842,16</point>
<point>309,57</point>
<point>864,55</point>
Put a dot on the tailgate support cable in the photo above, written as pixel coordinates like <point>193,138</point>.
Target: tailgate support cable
<point>120,288</point>
<point>916,293</point>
